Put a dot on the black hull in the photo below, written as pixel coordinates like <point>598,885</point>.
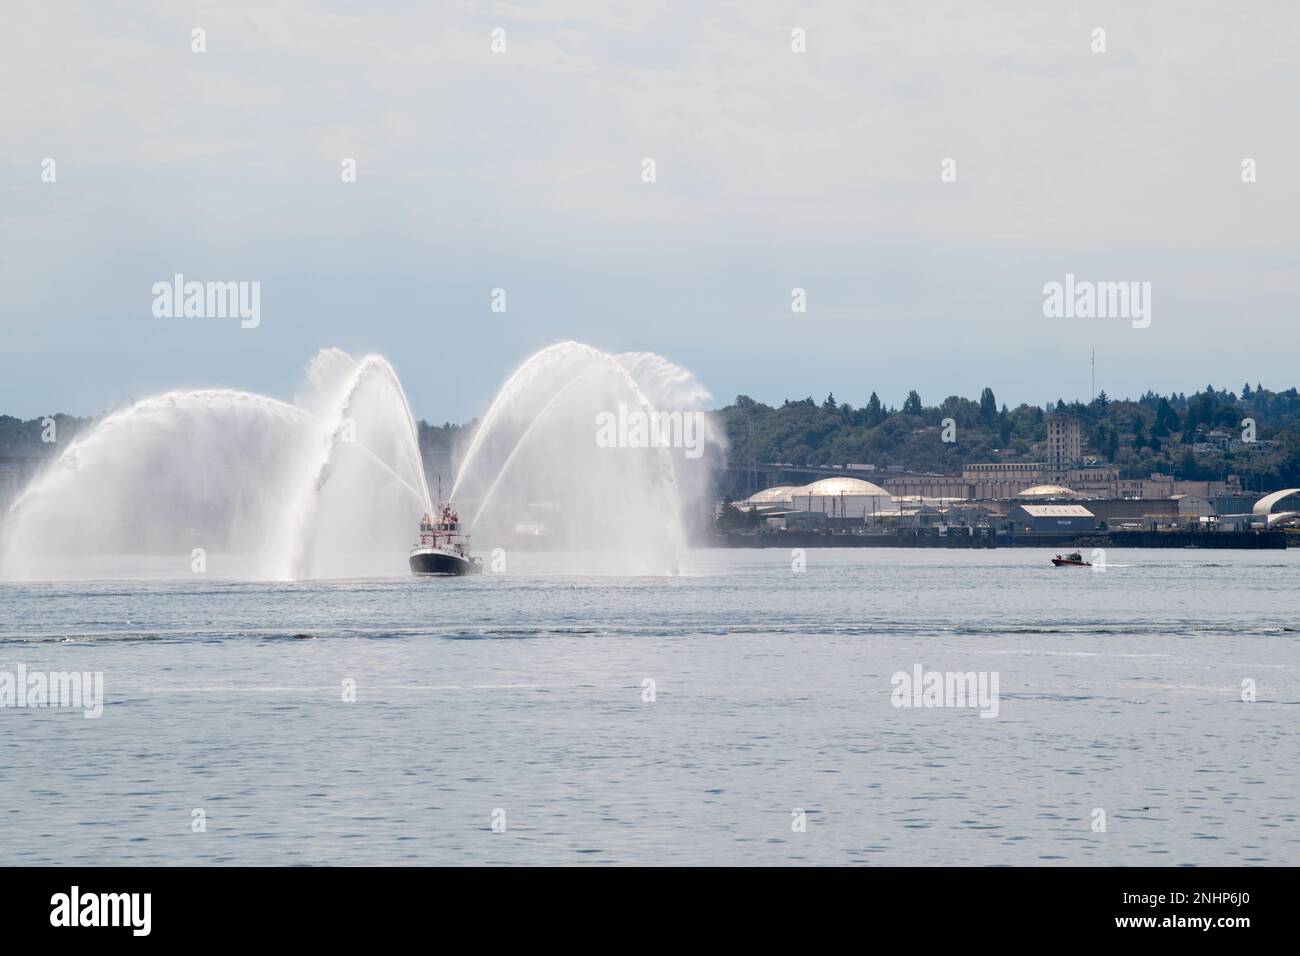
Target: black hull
<point>438,562</point>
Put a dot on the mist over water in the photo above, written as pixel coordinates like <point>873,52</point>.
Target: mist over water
<point>332,485</point>
<point>536,473</point>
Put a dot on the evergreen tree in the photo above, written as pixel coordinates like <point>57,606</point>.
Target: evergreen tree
<point>988,406</point>
<point>874,412</point>
<point>1166,418</point>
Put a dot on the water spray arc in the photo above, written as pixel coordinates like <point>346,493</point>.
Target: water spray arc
<point>535,462</point>
<point>334,485</point>
<point>268,486</point>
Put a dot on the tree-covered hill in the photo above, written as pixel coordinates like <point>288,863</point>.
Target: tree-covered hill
<point>23,438</point>
<point>1152,434</point>
<point>1155,433</point>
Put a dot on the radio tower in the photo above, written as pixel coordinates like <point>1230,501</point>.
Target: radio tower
<point>1094,375</point>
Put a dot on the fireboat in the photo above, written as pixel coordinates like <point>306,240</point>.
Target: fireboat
<point>442,549</point>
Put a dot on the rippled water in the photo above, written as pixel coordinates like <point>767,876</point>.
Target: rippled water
<point>523,693</point>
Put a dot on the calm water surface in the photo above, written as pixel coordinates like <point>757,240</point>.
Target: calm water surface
<point>523,693</point>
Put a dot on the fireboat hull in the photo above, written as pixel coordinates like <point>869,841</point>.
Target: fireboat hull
<point>438,561</point>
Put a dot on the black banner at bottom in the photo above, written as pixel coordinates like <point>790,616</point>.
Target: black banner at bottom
<point>333,906</point>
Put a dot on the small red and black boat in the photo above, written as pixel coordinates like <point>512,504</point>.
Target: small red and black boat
<point>1072,560</point>
<point>442,548</point>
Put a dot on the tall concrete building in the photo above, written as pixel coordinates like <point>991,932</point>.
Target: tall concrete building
<point>1064,446</point>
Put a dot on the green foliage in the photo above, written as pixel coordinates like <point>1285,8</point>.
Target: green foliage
<point>733,519</point>
<point>23,438</point>
<point>1152,434</point>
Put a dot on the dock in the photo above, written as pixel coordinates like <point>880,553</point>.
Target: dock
<point>987,538</point>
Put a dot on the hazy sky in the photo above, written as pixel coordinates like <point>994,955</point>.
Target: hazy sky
<point>522,170</point>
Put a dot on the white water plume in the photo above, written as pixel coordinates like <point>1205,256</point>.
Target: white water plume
<point>536,476</point>
<point>238,485</point>
<point>330,486</point>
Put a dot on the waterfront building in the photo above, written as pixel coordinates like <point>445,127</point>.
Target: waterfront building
<point>1001,479</point>
<point>1071,519</point>
<point>1135,514</point>
<point>844,498</point>
<point>778,497</point>
<point>1047,491</point>
<point>1193,509</point>
<point>930,486</point>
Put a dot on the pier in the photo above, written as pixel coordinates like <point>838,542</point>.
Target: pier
<point>987,538</point>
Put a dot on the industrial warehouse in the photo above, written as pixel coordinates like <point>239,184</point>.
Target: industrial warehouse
<point>1062,501</point>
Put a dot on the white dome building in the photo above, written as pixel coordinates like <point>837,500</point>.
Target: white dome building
<point>1047,491</point>
<point>844,498</point>
<point>780,495</point>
